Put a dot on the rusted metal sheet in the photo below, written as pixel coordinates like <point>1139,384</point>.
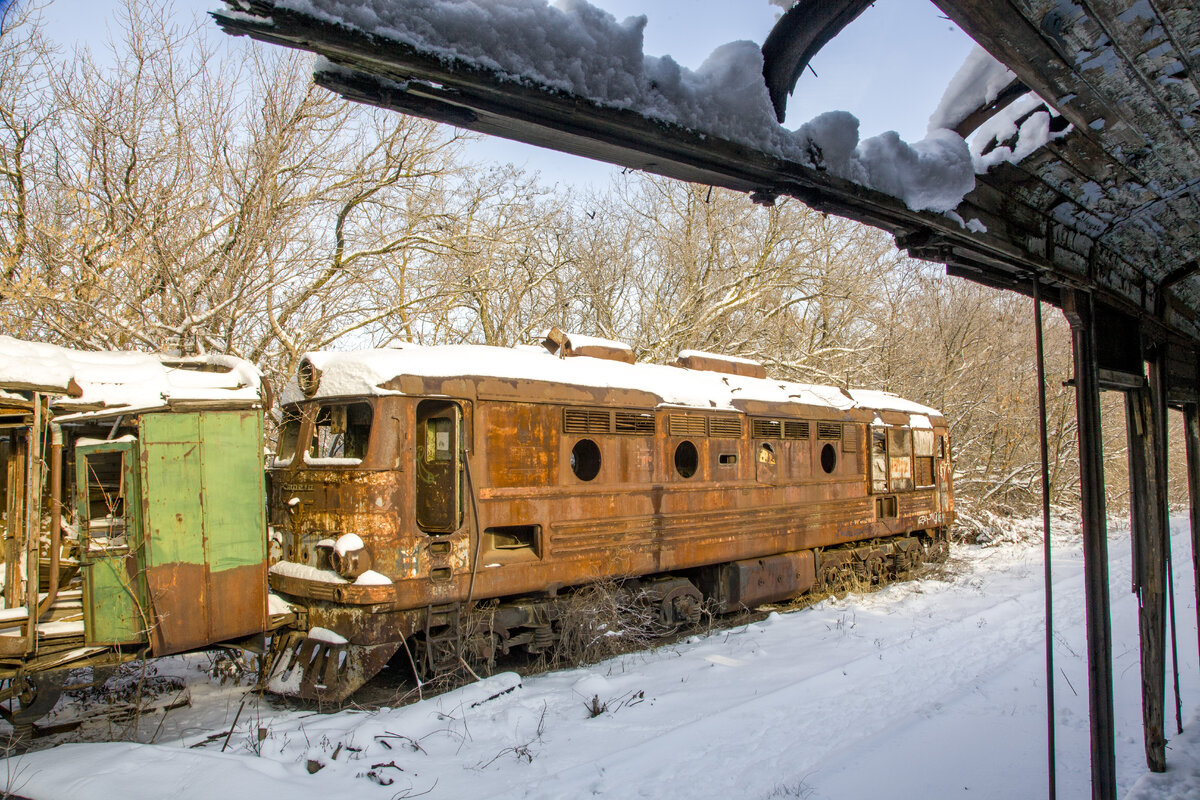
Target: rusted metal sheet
<point>752,582</point>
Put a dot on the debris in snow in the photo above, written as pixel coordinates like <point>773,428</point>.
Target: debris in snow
<point>576,48</point>
<point>977,83</point>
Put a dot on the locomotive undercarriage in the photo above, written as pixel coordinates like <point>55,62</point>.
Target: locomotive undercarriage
<point>457,638</point>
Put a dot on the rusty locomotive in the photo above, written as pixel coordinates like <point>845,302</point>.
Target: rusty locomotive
<point>412,484</point>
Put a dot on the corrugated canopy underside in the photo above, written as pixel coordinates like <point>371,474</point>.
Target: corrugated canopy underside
<point>1112,206</point>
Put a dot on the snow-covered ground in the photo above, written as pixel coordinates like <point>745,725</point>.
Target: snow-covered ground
<point>928,689</point>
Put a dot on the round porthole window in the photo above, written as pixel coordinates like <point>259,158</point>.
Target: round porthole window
<point>687,459</point>
<point>585,459</point>
<point>828,458</point>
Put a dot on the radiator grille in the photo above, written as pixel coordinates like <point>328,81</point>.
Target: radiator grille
<point>725,427</point>
<point>683,425</point>
<point>829,430</point>
<point>637,423</point>
<point>585,420</point>
<point>767,429</point>
<point>795,430</point>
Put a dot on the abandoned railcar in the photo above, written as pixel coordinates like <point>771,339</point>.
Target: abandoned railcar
<point>412,484</point>
<point>133,512</point>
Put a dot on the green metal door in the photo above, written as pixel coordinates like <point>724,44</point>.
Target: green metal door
<point>206,554</point>
<point>108,491</point>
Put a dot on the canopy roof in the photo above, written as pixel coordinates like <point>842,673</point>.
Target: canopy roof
<point>1107,201</point>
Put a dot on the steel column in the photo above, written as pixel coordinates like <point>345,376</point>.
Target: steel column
<point>1078,309</point>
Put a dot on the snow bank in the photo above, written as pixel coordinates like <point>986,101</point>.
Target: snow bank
<point>791,706</point>
<point>573,47</point>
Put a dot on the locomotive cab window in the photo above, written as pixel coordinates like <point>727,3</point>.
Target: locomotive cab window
<point>828,458</point>
<point>341,431</point>
<point>289,435</point>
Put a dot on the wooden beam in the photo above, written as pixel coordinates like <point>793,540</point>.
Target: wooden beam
<point>1147,521</point>
<point>1077,306</point>
<point>1003,100</point>
<point>799,35</point>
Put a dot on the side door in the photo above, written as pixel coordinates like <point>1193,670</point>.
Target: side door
<point>108,493</point>
<point>438,466</point>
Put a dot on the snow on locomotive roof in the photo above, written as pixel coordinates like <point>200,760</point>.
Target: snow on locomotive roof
<point>119,380</point>
<point>705,354</point>
<point>366,372</point>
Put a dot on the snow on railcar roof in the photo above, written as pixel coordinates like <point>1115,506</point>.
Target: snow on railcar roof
<point>123,380</point>
<point>369,372</point>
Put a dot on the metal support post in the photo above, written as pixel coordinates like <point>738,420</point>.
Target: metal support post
<point>1078,308</point>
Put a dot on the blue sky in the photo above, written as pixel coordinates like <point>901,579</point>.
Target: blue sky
<point>888,68</point>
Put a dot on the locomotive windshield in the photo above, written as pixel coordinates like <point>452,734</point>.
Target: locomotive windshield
<point>339,431</point>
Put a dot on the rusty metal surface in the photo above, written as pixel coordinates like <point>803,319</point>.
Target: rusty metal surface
<point>523,523</point>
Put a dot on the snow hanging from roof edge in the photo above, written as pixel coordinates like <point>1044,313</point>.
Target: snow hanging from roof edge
<point>577,48</point>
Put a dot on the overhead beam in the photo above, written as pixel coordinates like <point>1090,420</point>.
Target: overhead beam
<point>1004,98</point>
<point>799,35</point>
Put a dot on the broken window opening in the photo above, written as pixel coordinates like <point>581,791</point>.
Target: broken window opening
<point>105,525</point>
<point>341,431</point>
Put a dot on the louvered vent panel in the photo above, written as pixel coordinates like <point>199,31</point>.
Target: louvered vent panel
<point>725,427</point>
<point>637,423</point>
<point>849,438</point>
<point>767,429</point>
<point>795,430</point>
<point>829,430</point>
<point>682,425</point>
<point>585,420</point>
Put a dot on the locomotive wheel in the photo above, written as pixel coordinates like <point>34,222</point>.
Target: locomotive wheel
<point>33,696</point>
<point>680,606</point>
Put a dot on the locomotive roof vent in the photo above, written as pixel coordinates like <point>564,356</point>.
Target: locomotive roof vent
<point>564,345</point>
<point>713,362</point>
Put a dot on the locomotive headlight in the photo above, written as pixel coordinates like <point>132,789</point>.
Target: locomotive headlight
<point>349,557</point>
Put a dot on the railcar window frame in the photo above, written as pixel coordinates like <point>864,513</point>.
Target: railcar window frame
<point>586,460</point>
<point>686,459</point>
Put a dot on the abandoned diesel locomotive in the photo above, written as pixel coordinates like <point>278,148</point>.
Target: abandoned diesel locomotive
<point>412,484</point>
